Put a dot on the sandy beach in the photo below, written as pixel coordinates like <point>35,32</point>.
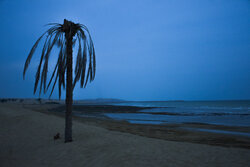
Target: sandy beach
<point>26,139</point>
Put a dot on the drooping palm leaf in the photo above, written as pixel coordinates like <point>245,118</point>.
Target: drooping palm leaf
<point>40,64</point>
<point>54,71</point>
<point>31,54</point>
<point>85,60</point>
<point>47,59</point>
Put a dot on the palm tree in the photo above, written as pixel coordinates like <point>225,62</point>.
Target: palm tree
<point>62,35</point>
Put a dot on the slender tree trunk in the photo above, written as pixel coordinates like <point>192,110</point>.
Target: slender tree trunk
<point>69,91</point>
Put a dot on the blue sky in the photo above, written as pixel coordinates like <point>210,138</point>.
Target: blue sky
<point>146,50</point>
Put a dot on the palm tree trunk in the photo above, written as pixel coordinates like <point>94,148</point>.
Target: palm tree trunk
<point>69,91</point>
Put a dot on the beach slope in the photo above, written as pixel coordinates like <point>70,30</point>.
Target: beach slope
<point>26,139</point>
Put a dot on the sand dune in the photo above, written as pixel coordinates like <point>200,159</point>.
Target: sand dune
<point>26,139</point>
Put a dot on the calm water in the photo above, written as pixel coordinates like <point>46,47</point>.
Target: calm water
<point>230,113</point>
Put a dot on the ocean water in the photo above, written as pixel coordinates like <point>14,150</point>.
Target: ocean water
<point>229,113</point>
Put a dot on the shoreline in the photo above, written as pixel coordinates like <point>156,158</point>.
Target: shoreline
<point>184,132</point>
<point>26,139</point>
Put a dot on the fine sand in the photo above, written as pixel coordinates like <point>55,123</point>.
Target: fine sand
<point>26,139</point>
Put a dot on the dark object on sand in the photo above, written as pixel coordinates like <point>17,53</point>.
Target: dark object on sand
<point>57,136</point>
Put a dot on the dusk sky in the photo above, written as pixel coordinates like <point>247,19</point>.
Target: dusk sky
<point>145,49</point>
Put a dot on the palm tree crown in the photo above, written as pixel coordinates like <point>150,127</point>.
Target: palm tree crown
<point>59,35</point>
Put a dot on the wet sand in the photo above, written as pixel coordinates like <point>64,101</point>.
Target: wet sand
<point>175,132</point>
<point>27,130</point>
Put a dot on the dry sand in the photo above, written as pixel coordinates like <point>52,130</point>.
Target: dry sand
<point>26,139</point>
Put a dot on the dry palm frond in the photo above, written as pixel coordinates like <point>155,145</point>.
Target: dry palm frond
<point>31,54</point>
<point>85,61</point>
<point>78,68</point>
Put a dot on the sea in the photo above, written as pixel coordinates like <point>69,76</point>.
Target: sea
<point>228,113</point>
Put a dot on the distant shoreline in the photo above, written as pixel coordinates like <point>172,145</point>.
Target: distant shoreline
<point>113,100</point>
<point>174,132</point>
